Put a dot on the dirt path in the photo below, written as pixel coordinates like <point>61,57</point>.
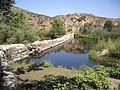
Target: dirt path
<point>114,83</point>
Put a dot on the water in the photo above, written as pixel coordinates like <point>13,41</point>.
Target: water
<point>72,54</point>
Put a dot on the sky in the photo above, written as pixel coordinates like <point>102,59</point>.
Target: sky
<point>102,8</point>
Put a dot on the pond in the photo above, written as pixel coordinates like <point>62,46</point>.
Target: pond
<point>71,54</point>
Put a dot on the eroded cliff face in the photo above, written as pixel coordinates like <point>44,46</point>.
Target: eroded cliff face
<point>72,22</point>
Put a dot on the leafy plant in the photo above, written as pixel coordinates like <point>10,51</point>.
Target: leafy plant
<point>114,71</point>
<point>46,64</point>
<point>91,77</point>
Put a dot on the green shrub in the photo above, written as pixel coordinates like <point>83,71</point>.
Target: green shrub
<point>51,82</point>
<point>43,34</point>
<point>93,78</point>
<point>59,66</point>
<point>101,70</point>
<point>114,71</point>
<point>46,64</point>
<point>58,28</point>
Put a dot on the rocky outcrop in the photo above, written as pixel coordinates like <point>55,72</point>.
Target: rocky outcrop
<point>104,52</point>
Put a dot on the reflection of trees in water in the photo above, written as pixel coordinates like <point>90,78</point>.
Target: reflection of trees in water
<point>72,46</point>
<point>79,46</point>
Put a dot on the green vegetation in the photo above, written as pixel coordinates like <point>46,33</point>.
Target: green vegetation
<point>43,34</point>
<point>57,28</point>
<point>108,25</point>
<point>108,37</point>
<point>95,78</point>
<point>114,71</point>
<point>17,30</point>
<point>85,78</point>
<point>5,9</point>
<point>46,64</point>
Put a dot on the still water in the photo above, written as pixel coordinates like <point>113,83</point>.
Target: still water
<point>71,54</point>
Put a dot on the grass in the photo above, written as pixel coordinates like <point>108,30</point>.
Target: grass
<point>17,64</point>
<point>105,60</point>
<point>37,75</point>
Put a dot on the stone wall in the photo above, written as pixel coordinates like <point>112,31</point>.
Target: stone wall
<point>9,82</point>
<point>15,52</point>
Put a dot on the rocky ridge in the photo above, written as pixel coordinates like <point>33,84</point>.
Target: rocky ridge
<point>72,22</point>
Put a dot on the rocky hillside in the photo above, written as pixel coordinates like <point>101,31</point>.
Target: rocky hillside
<point>72,22</point>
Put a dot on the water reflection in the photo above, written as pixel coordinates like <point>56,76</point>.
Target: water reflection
<point>70,54</point>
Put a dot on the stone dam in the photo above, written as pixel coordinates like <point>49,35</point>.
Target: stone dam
<point>15,52</point>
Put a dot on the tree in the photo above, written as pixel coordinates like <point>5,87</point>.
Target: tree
<point>108,25</point>
<point>5,8</point>
<point>57,28</point>
<point>17,29</point>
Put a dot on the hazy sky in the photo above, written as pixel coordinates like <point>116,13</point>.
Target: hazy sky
<point>104,8</point>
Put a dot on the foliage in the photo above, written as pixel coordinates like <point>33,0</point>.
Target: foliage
<point>108,25</point>
<point>46,64</point>
<point>5,8</point>
<point>57,28</point>
<point>49,82</point>
<point>6,4</point>
<point>82,18</point>
<point>101,70</point>
<point>86,29</point>
<point>114,71</point>
<point>110,44</point>
<point>93,78</point>
<point>43,34</point>
<point>59,66</point>
<point>17,30</point>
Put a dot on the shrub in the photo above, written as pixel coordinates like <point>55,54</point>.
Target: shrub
<point>108,25</point>
<point>57,29</point>
<point>43,34</point>
<point>114,71</point>
<point>46,64</point>
<point>51,82</point>
<point>95,79</point>
<point>100,70</point>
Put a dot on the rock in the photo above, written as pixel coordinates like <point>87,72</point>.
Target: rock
<point>104,52</point>
<point>8,77</point>
<point>20,70</point>
<point>15,51</point>
<point>33,67</point>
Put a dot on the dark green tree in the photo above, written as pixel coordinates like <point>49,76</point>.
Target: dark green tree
<point>57,28</point>
<point>5,8</point>
<point>108,25</point>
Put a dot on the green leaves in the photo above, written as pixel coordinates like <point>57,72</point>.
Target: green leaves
<point>17,29</point>
<point>57,28</point>
<point>108,25</point>
<point>95,78</point>
<point>46,64</point>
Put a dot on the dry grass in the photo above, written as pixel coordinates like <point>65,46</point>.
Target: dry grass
<point>37,75</point>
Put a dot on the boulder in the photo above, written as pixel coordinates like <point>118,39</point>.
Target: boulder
<point>104,52</point>
<point>20,70</point>
<point>33,67</point>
